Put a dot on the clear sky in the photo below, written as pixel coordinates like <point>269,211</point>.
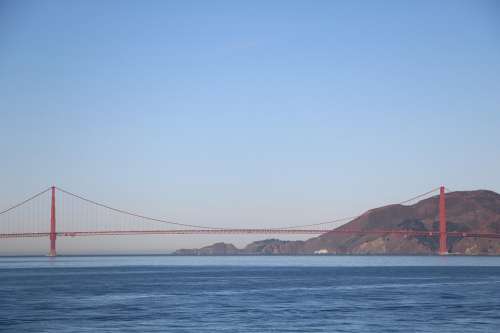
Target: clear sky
<point>256,113</point>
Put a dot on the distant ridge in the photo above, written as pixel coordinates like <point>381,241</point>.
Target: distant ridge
<point>467,211</point>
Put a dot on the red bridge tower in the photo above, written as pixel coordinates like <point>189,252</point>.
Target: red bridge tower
<point>443,246</point>
<point>52,252</point>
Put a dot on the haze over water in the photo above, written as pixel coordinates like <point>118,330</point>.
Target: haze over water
<point>250,294</point>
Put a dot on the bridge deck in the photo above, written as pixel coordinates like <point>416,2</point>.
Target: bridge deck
<point>413,233</point>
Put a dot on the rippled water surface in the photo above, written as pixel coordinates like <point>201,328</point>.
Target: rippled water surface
<point>250,294</point>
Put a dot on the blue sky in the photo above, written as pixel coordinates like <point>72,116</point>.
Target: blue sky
<point>249,114</point>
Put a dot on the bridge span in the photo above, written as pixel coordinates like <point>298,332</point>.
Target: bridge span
<point>26,220</point>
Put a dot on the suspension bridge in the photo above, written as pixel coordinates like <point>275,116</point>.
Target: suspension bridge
<point>55,212</point>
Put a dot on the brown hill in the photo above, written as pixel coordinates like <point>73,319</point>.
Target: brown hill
<point>477,211</point>
<point>467,211</point>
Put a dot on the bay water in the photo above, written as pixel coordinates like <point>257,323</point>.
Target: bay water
<point>250,294</point>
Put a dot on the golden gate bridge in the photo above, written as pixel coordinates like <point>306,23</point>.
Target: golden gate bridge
<point>40,216</point>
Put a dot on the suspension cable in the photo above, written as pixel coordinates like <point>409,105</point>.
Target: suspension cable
<point>418,196</point>
<point>121,211</point>
<point>356,216</point>
<point>25,201</point>
<point>321,223</point>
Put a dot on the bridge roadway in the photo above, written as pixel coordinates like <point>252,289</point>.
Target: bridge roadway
<point>268,231</point>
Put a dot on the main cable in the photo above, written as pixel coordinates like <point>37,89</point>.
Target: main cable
<point>25,201</point>
<point>135,214</point>
<point>121,211</point>
<point>356,216</point>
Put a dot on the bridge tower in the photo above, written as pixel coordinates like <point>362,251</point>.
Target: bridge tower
<point>52,252</point>
<point>443,246</point>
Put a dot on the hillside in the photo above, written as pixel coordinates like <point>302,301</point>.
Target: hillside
<point>467,211</point>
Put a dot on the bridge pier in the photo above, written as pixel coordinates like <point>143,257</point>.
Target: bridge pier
<point>443,245</point>
<point>52,252</point>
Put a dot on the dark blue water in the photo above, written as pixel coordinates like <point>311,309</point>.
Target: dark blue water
<point>250,294</point>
